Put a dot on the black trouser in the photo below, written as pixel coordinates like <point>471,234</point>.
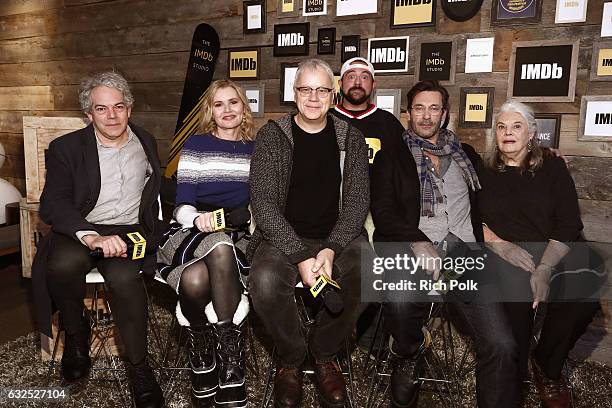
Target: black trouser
<point>564,323</point>
<point>272,286</point>
<point>68,263</point>
<point>496,351</point>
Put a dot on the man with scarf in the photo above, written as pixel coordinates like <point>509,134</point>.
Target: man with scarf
<point>422,199</point>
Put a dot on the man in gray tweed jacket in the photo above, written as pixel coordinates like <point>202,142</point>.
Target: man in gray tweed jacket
<point>309,196</point>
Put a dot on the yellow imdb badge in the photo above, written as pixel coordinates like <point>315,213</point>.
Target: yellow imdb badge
<point>140,244</point>
<point>243,64</point>
<point>476,107</point>
<point>321,283</point>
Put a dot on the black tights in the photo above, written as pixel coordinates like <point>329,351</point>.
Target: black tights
<point>213,278</point>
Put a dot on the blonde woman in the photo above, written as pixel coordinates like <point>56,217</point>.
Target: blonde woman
<point>200,263</point>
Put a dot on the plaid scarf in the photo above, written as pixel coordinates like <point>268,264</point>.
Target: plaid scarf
<point>448,144</point>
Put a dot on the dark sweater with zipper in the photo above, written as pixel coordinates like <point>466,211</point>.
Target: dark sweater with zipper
<point>270,183</point>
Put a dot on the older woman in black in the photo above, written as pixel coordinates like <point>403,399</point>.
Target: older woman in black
<point>529,196</point>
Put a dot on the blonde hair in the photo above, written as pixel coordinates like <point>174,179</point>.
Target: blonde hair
<point>535,155</point>
<point>207,120</point>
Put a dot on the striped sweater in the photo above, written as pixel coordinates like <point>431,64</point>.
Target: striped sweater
<point>214,171</point>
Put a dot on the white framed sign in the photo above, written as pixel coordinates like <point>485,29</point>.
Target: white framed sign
<point>314,7</point>
<point>389,100</point>
<point>479,55</point>
<point>573,11</point>
<point>356,7</point>
<point>255,95</point>
<point>595,118</point>
<point>389,54</point>
<point>287,78</point>
<point>606,20</point>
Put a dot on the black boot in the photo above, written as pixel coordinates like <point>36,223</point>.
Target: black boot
<point>75,359</point>
<point>202,360</point>
<point>145,389</point>
<point>405,383</point>
<point>232,390</point>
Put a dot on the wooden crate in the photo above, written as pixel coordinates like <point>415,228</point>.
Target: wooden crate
<point>38,132</point>
<point>32,229</point>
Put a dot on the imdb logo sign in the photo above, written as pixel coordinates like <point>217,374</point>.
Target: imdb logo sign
<point>243,64</point>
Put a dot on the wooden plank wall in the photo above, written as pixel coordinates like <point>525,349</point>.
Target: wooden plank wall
<point>47,46</point>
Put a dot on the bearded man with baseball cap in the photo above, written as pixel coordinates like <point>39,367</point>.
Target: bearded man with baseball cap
<point>357,85</point>
<point>381,130</point>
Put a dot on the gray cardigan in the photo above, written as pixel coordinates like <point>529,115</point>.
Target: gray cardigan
<point>269,180</point>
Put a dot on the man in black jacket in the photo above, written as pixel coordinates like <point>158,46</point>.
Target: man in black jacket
<point>422,199</point>
<point>102,182</point>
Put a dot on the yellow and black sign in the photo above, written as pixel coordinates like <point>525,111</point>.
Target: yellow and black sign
<point>476,107</point>
<point>604,62</point>
<point>412,13</point>
<point>243,64</point>
<point>288,6</point>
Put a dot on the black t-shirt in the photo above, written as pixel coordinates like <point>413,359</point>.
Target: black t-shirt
<point>530,208</point>
<point>380,128</point>
<point>313,201</point>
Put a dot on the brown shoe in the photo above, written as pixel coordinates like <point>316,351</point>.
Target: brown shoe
<point>553,393</point>
<point>330,384</point>
<point>287,387</point>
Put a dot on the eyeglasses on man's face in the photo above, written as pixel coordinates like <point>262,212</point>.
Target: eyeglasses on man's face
<point>306,91</point>
<point>434,110</point>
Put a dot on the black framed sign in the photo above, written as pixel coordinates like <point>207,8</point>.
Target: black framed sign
<point>314,8</point>
<point>326,41</point>
<point>291,39</point>
<point>413,13</point>
<point>549,129</point>
<point>350,47</point>
<point>287,79</point>
<point>254,16</point>
<point>461,10</point>
<point>243,63</point>
<point>543,71</point>
<point>389,54</point>
<point>476,107</point>
<point>509,12</point>
<point>437,61</point>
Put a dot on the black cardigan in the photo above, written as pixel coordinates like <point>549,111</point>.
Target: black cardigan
<point>395,196</point>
